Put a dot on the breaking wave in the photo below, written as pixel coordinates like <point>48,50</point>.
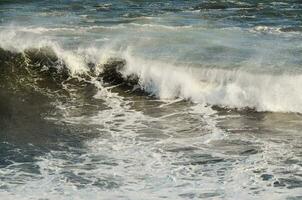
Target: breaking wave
<point>231,88</point>
<point>226,88</point>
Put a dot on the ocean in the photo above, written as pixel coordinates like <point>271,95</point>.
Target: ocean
<point>150,99</point>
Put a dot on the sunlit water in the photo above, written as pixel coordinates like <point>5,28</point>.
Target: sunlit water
<point>220,119</point>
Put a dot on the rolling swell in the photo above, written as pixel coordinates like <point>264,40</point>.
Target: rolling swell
<point>26,94</point>
<point>32,84</point>
<point>34,67</point>
<point>42,70</point>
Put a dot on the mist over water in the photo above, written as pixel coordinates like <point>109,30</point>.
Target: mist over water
<point>150,100</point>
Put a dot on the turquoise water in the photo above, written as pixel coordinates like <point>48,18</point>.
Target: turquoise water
<point>212,108</point>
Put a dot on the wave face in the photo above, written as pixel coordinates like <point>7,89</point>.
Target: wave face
<point>155,99</point>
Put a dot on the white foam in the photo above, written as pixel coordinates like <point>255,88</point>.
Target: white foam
<point>267,29</point>
<point>160,26</point>
<point>230,88</point>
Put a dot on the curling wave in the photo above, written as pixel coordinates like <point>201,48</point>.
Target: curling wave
<point>226,88</point>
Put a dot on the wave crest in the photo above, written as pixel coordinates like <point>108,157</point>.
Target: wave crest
<point>226,88</point>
